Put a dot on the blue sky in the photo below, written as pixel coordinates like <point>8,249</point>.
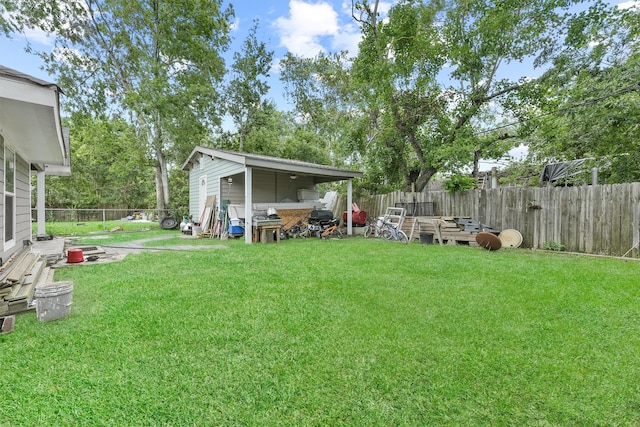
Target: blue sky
<point>303,27</point>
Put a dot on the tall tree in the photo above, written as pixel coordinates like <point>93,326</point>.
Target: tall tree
<point>248,88</point>
<point>109,170</point>
<point>156,63</point>
<point>320,91</point>
<point>431,71</point>
<point>592,101</point>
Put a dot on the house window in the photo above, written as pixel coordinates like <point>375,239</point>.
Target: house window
<point>9,198</point>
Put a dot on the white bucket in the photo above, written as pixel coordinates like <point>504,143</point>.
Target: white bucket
<point>53,300</point>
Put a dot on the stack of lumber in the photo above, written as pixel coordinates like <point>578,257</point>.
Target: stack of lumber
<point>450,230</point>
<point>18,280</point>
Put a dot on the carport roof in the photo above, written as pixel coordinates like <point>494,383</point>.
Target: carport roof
<point>322,172</point>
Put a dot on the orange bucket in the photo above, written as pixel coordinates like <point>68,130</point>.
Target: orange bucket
<point>74,256</point>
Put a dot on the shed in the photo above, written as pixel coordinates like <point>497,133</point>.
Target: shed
<point>256,182</point>
<point>32,140</point>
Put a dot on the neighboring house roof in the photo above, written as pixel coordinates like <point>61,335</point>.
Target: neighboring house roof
<point>321,172</point>
<point>30,120</point>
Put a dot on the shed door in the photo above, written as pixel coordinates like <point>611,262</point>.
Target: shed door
<point>202,195</point>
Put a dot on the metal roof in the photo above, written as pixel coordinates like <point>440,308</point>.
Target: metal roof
<point>274,163</point>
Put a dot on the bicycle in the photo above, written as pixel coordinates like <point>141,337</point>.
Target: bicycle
<point>382,227</point>
<point>373,229</point>
<point>332,230</point>
<point>390,232</point>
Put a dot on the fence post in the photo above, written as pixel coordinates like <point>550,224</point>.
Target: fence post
<point>104,219</point>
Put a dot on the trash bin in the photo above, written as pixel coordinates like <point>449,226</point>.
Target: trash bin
<point>426,238</point>
<point>53,300</point>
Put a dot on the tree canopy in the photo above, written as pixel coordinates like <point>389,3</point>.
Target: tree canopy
<point>431,90</point>
<point>156,64</point>
<point>592,96</point>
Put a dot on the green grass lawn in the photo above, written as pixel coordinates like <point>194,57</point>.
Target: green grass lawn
<point>349,332</point>
<point>83,228</point>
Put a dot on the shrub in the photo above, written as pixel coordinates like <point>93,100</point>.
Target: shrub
<point>459,183</point>
<point>554,246</point>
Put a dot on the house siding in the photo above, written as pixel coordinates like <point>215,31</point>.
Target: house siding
<point>23,204</point>
<point>215,170</point>
<point>4,255</point>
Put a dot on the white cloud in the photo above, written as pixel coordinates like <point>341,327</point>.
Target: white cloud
<point>306,25</point>
<point>520,152</point>
<point>347,39</point>
<point>233,26</point>
<point>632,4</point>
<point>314,27</point>
<point>35,35</point>
<point>384,7</point>
<point>64,54</point>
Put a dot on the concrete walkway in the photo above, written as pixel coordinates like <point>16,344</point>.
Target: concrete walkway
<point>55,250</point>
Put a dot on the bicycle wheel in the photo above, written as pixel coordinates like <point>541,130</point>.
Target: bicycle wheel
<point>387,234</point>
<point>402,237</point>
<point>367,231</point>
<point>337,234</point>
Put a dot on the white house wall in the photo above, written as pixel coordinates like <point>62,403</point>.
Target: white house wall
<point>23,204</point>
<point>214,170</point>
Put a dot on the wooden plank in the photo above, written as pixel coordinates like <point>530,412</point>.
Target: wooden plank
<point>20,270</point>
<point>290,217</point>
<point>11,264</point>
<point>207,214</point>
<point>19,306</point>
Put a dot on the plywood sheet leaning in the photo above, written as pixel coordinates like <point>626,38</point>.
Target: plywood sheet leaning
<point>290,217</point>
<point>207,217</point>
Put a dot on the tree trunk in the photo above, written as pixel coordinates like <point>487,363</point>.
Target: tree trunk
<point>476,162</point>
<point>424,177</point>
<point>162,184</point>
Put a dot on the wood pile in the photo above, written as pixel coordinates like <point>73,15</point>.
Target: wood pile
<point>450,230</point>
<point>290,217</point>
<point>18,280</point>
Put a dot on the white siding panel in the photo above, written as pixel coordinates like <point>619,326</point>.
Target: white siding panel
<point>215,170</point>
<point>23,202</point>
<point>3,255</point>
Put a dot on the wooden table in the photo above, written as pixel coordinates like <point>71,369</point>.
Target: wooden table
<point>261,233</point>
<point>433,222</point>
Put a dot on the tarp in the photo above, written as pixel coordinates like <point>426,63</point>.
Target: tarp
<point>555,171</point>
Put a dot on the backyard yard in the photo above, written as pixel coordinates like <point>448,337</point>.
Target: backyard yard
<point>353,332</point>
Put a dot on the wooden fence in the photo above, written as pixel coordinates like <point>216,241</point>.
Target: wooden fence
<point>600,219</point>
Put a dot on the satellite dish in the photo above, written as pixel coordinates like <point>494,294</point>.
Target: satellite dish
<point>489,241</point>
<point>510,238</point>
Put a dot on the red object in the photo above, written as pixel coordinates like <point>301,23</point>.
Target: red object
<point>489,241</point>
<point>74,256</point>
<point>357,218</point>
